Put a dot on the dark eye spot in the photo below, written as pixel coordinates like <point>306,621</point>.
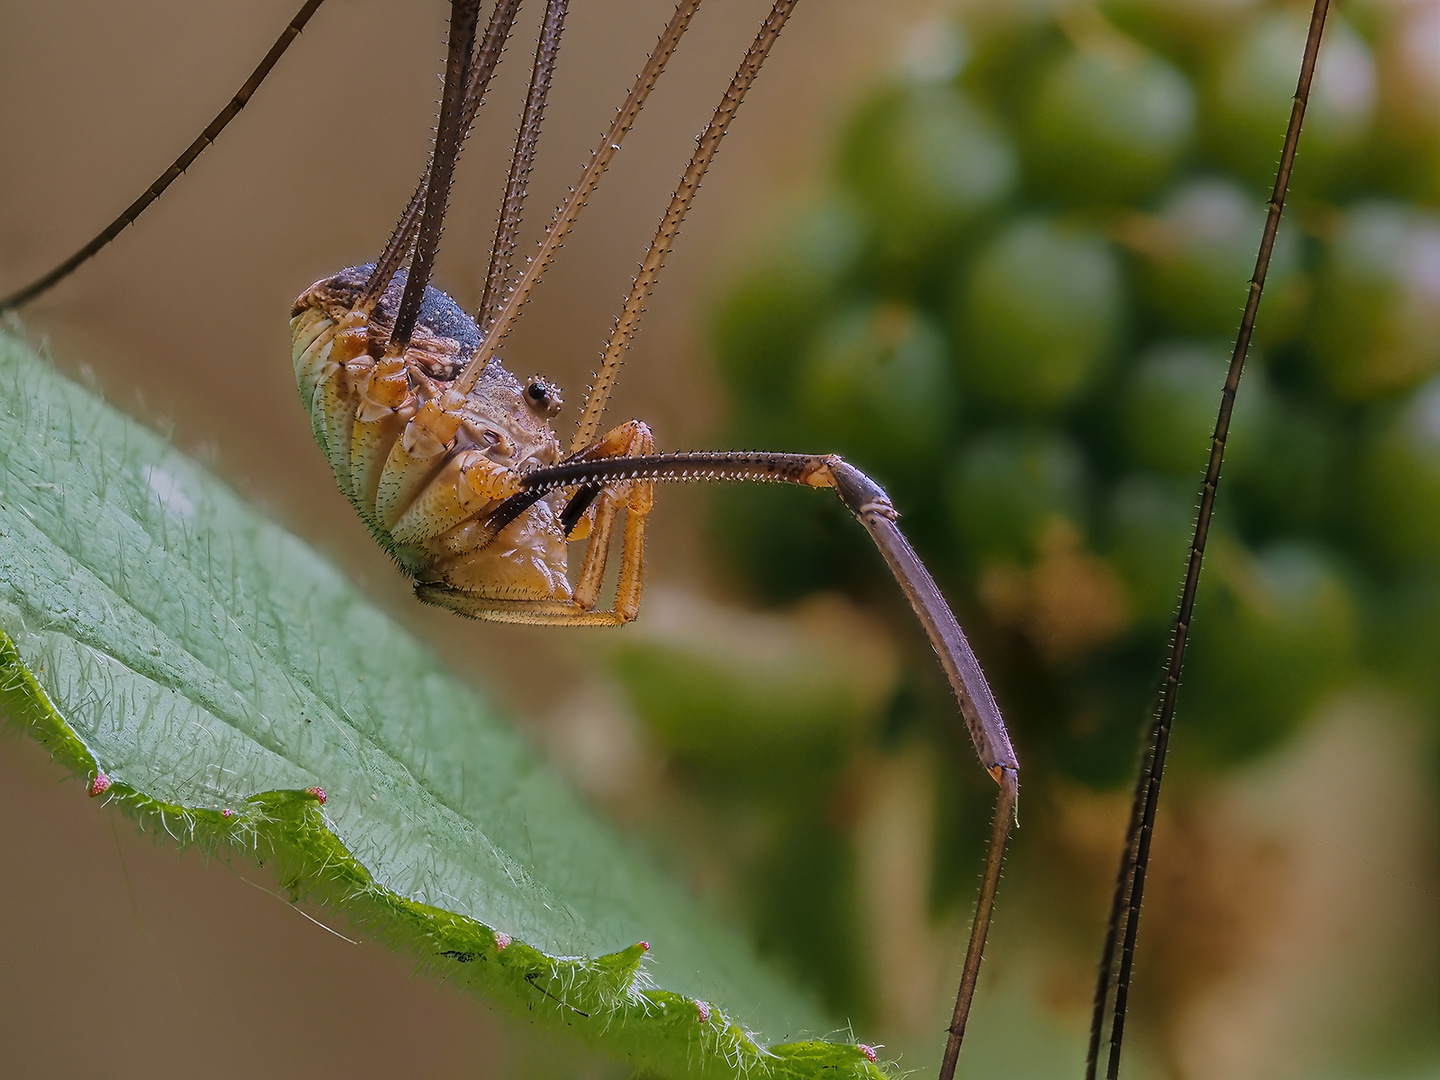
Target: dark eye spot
<point>543,396</point>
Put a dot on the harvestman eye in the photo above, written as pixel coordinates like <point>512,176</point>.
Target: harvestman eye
<point>387,414</point>
<point>543,397</point>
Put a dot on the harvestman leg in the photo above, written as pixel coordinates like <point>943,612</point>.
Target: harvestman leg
<point>1124,921</point>
<point>179,165</point>
<point>485,58</point>
<point>527,139</point>
<point>872,507</point>
<point>508,312</point>
<point>412,231</point>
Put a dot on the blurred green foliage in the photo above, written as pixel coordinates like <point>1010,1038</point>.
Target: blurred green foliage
<point>1013,305</point>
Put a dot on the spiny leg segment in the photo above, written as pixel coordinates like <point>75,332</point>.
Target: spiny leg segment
<point>450,135</point>
<point>490,49</point>
<point>565,216</point>
<point>505,317</point>
<point>628,321</point>
<point>527,138</point>
<point>1130,880</point>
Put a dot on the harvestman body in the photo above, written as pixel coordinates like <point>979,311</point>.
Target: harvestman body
<point>452,463</point>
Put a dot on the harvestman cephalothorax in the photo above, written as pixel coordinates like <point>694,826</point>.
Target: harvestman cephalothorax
<point>452,463</point>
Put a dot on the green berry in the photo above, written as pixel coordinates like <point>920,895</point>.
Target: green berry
<point>1250,88</point>
<point>925,163</point>
<point>769,314</point>
<point>1106,124</point>
<point>1009,487</point>
<point>1273,633</point>
<point>1169,406</point>
<point>1400,504</point>
<point>876,386</point>
<point>1376,324</point>
<point>1149,522</point>
<point>1039,314</point>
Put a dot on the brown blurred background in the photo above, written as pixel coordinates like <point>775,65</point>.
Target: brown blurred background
<point>1292,896</point>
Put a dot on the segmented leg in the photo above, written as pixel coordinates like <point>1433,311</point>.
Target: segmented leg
<point>637,497</point>
<point>527,139</point>
<point>628,321</point>
<point>872,507</point>
<point>402,237</point>
<point>450,132</point>
<point>565,216</point>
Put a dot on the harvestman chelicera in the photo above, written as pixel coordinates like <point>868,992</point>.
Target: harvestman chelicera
<point>452,463</point>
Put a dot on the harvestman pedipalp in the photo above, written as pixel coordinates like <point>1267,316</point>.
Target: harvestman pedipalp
<point>420,397</point>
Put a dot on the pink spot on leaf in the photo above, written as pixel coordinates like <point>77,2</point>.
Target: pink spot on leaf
<point>318,794</point>
<point>703,1009</point>
<point>501,940</point>
<point>99,785</point>
<point>868,1051</point>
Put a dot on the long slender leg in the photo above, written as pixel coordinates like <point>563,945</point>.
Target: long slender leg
<point>178,166</point>
<point>449,136</point>
<point>870,505</point>
<point>628,321</point>
<point>1130,880</point>
<point>565,217</point>
<point>526,140</point>
<point>487,58</point>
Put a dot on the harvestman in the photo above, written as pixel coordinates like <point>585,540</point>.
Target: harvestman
<point>452,463</point>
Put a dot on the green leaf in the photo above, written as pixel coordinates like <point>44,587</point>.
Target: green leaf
<point>209,674</point>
